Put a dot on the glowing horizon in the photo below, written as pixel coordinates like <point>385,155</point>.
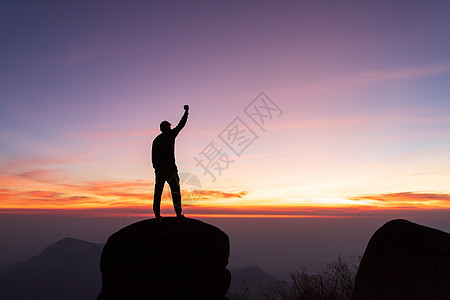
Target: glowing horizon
<point>139,194</point>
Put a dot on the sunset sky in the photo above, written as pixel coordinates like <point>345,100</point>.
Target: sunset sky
<point>358,90</point>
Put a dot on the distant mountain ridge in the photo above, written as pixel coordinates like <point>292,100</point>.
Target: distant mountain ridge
<point>250,281</point>
<point>67,269</point>
<point>66,248</point>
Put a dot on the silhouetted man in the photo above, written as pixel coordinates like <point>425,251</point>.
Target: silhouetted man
<point>163,160</point>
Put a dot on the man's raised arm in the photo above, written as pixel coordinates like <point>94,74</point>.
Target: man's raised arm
<point>183,120</point>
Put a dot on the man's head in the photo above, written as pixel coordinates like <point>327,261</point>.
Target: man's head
<point>164,126</point>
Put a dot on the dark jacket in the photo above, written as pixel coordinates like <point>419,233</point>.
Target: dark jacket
<point>163,146</point>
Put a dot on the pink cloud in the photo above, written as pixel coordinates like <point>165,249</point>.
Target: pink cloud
<point>123,134</point>
<point>45,175</point>
<point>357,80</point>
<point>405,73</point>
<point>33,162</point>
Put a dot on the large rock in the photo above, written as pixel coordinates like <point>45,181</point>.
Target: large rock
<point>170,259</point>
<point>404,260</point>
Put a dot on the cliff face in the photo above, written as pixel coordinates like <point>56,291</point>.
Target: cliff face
<point>404,260</point>
<point>170,259</point>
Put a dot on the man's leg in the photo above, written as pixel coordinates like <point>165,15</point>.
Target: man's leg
<point>159,186</point>
<point>174,183</point>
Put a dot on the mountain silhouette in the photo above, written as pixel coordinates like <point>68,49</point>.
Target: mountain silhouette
<point>250,281</point>
<point>67,269</point>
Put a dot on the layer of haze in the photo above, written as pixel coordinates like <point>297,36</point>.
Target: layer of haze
<point>278,245</point>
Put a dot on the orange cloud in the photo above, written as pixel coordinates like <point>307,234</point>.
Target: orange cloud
<point>414,199</point>
<point>28,191</point>
<point>42,194</point>
<point>11,199</point>
<point>31,192</point>
<point>222,195</point>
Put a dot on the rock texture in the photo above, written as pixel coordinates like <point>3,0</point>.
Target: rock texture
<point>170,259</point>
<point>404,260</point>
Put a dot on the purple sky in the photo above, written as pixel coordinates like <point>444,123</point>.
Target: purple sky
<point>362,85</point>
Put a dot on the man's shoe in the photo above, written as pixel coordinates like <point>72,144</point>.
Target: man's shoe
<point>181,217</point>
<point>158,219</point>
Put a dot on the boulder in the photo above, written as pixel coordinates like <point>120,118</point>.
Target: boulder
<point>404,260</point>
<point>171,259</point>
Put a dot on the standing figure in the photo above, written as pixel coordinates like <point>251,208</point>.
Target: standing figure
<point>163,160</point>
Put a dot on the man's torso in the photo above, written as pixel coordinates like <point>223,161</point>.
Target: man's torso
<point>163,151</point>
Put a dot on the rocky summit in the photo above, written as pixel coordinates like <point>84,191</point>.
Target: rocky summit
<point>170,259</point>
<point>404,260</point>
